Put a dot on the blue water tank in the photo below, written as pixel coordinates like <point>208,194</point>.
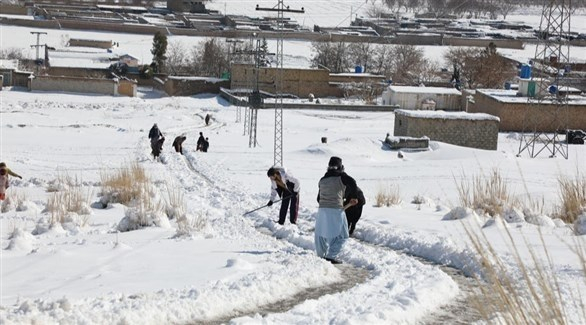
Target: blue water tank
<point>553,89</point>
<point>358,69</point>
<point>525,71</point>
<point>507,85</point>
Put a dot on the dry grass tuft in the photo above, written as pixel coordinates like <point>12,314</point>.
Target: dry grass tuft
<point>531,295</point>
<point>573,197</point>
<point>175,203</point>
<point>68,202</point>
<point>125,185</point>
<point>187,225</point>
<point>489,194</point>
<point>388,196</point>
<point>14,199</point>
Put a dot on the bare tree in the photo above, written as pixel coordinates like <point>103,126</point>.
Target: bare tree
<point>407,60</point>
<point>11,53</point>
<point>177,60</point>
<point>211,57</point>
<point>428,71</point>
<point>375,11</point>
<point>481,67</point>
<point>333,56</point>
<point>381,62</point>
<point>506,7</point>
<point>361,54</point>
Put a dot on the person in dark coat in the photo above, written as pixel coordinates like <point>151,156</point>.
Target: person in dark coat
<point>178,143</point>
<point>154,135</point>
<point>205,145</point>
<point>354,212</point>
<point>207,119</point>
<point>200,141</point>
<point>158,147</point>
<point>331,226</point>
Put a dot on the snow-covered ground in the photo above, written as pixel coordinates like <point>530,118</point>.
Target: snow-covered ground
<point>235,263</point>
<point>95,274</point>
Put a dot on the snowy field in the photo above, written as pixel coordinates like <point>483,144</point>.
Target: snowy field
<point>74,274</point>
<point>234,263</point>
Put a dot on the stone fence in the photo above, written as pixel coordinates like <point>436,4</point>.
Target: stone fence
<point>111,87</point>
<point>521,115</point>
<point>458,128</point>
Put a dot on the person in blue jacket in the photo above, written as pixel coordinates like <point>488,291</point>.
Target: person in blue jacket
<point>331,226</point>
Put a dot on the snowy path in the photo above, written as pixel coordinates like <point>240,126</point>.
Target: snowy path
<point>385,267</point>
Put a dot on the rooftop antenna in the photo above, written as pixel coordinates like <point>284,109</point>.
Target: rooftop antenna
<point>542,131</point>
<point>278,144</point>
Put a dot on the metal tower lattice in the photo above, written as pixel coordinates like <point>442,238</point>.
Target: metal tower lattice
<point>278,139</point>
<point>546,118</point>
<point>255,98</point>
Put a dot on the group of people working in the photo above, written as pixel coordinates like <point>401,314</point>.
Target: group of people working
<point>157,140</point>
<point>340,206</point>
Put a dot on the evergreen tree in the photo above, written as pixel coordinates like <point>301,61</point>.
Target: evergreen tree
<point>264,53</point>
<point>159,50</point>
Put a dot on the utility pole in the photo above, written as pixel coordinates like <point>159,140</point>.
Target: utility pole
<point>37,46</point>
<point>278,144</point>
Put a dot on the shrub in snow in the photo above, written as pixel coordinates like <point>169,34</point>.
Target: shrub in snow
<point>488,193</point>
<point>187,225</point>
<point>513,215</point>
<point>496,221</point>
<point>126,185</point>
<point>458,213</point>
<point>573,196</point>
<point>418,199</point>
<point>16,200</point>
<point>68,200</point>
<point>140,217</point>
<point>580,224</point>
<point>175,203</point>
<point>540,220</point>
<point>387,196</point>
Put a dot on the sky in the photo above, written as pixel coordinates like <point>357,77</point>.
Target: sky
<point>233,265</point>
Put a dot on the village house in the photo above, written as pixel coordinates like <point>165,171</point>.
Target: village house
<point>423,98</point>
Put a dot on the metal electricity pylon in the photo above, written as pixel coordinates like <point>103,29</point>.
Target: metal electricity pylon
<point>255,99</point>
<point>278,139</point>
<point>230,61</point>
<point>546,117</point>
